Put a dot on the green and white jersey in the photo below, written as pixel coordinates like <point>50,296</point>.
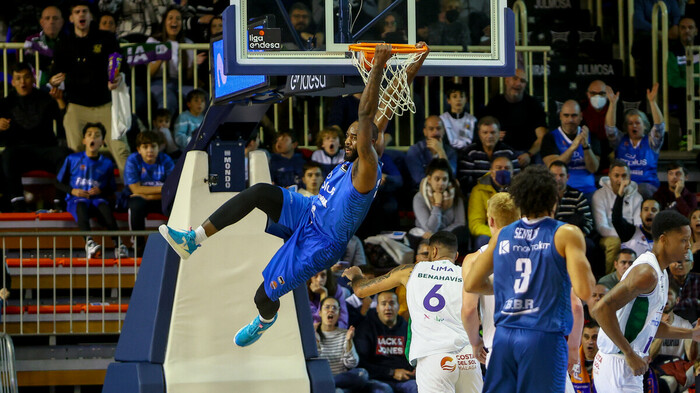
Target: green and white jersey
<point>640,318</point>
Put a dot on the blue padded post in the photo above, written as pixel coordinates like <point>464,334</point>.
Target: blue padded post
<point>134,378</point>
<point>306,322</point>
<point>147,323</point>
<point>320,376</point>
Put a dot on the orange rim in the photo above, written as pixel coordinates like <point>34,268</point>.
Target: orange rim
<point>370,47</point>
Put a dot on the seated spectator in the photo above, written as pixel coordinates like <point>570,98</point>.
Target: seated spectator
<point>594,110</point>
<point>381,342</point>
<point>449,29</point>
<point>136,20</point>
<point>573,208</point>
<point>433,146</point>
<point>216,27</point>
<point>475,160</point>
<point>88,180</point>
<point>624,260</point>
<point>581,373</point>
<point>459,124</point>
<point>300,17</point>
<point>677,67</point>
<point>695,235</point>
<point>497,180</point>
<point>616,183</point>
<point>687,285</point>
<point>312,179</point>
<point>144,175</point>
<point>393,29</point>
<point>107,23</point>
<point>383,214</point>
<point>438,204</point>
<point>599,291</point>
<point>330,153</point>
<point>286,164</point>
<point>26,130</point>
<point>201,15</point>
<point>335,345</point>
<point>44,42</point>
<point>422,254</point>
<point>324,285</point>
<point>641,145</point>
<point>635,237</point>
<point>189,121</point>
<point>676,196</point>
<point>161,125</point>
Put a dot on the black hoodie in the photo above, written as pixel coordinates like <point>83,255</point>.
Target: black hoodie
<point>381,349</point>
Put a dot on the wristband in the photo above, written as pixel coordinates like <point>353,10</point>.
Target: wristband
<point>586,147</point>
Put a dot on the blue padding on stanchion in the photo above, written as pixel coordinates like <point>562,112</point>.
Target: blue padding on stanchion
<point>147,323</point>
<point>134,378</point>
<point>320,376</point>
<point>306,322</point>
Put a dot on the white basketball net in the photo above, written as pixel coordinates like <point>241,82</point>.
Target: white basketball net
<point>394,81</point>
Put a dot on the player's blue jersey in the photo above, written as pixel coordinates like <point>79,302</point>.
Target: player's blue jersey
<point>339,209</point>
<point>86,173</point>
<point>137,170</point>
<point>642,160</point>
<point>531,284</point>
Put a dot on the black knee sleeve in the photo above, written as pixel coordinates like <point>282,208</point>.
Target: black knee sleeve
<point>266,307</point>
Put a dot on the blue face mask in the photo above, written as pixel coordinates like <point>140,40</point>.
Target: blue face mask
<point>503,177</point>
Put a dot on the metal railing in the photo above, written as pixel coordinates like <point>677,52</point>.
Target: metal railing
<point>692,83</point>
<point>8,372</point>
<point>660,7</point>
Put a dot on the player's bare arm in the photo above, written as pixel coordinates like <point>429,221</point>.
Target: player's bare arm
<point>667,331</point>
<point>640,280</point>
<point>470,313</point>
<point>570,243</point>
<point>574,340</point>
<point>363,287</point>
<point>477,281</point>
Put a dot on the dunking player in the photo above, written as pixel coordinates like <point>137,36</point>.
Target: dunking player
<point>535,261</point>
<point>322,225</point>
<point>439,347</point>
<point>630,314</point>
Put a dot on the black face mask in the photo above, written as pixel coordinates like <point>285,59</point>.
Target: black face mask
<point>452,15</point>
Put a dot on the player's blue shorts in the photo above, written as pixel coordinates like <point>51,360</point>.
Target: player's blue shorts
<point>71,205</point>
<point>305,253</point>
<point>527,361</point>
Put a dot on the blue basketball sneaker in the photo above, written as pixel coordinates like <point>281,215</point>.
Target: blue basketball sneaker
<point>181,241</point>
<point>251,333</point>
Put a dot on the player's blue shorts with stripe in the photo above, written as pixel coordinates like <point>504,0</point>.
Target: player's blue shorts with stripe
<point>72,203</point>
<point>527,361</point>
<point>305,253</point>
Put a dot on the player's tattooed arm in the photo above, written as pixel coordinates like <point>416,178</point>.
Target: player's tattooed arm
<point>363,287</point>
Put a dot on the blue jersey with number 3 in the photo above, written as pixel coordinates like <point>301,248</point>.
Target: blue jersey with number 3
<point>531,284</point>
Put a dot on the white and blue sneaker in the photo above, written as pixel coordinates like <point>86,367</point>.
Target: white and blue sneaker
<point>181,241</point>
<point>251,333</point>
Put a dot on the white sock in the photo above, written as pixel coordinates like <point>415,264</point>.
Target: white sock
<point>199,235</point>
<point>263,320</point>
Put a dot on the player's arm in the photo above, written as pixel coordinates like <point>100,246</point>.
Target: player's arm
<point>574,339</point>
<point>477,280</point>
<point>667,331</point>
<point>363,287</point>
<point>470,312</point>
<point>570,243</point>
<point>365,176</point>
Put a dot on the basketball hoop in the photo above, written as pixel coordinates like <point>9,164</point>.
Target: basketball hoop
<point>394,75</point>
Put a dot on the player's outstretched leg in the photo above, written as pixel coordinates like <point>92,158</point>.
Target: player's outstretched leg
<point>268,315</point>
<point>265,197</point>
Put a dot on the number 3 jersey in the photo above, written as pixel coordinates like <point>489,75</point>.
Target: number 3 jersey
<point>531,285</point>
<point>434,299</point>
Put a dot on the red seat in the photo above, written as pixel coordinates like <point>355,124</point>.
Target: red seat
<point>30,262</point>
<point>108,308</point>
<point>81,262</point>
<point>17,216</point>
<point>14,309</point>
<point>128,261</point>
<point>121,216</point>
<point>156,216</point>
<point>65,216</point>
<point>39,173</point>
<point>59,308</point>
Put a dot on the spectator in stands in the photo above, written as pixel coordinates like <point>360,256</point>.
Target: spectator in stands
<point>383,214</point>
<point>4,294</point>
<point>449,29</point>
<point>433,146</point>
<point>204,14</point>
<point>594,110</point>
<point>677,60</point>
<point>26,131</point>
<point>136,19</point>
<point>439,204</point>
<point>641,48</point>
<point>640,147</point>
<point>81,62</point>
<point>599,291</point>
<point>581,373</point>
<point>88,180</point>
<point>623,261</point>
<point>172,31</point>
<point>324,285</point>
<point>422,254</point>
<point>393,29</point>
<point>189,121</point>
<point>335,345</point>
<point>497,180</point>
<point>144,175</point>
<point>45,42</point>
<point>522,117</point>
<point>216,26</point>
<point>676,196</point>
<point>695,238</point>
<point>161,125</point>
<point>459,124</point>
<point>286,165</point>
<point>300,16</point>
<point>676,348</point>
<point>108,23</point>
<point>381,342</point>
<point>329,153</point>
<point>638,237</point>
<point>475,161</point>
<point>573,208</point>
<point>312,179</point>
<point>572,145</point>
<point>616,183</point>
<point>687,285</point>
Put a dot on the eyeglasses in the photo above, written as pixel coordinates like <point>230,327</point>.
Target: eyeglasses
<point>330,308</point>
<point>597,93</point>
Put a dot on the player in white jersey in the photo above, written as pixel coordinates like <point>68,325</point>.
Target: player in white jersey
<point>438,345</point>
<point>630,314</point>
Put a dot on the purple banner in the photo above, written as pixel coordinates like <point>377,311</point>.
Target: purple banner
<point>145,53</point>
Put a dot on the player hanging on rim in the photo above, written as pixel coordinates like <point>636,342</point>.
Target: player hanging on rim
<point>322,225</point>
<point>535,262</point>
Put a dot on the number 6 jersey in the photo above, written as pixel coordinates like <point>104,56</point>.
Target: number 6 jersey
<point>531,285</point>
<point>434,299</point>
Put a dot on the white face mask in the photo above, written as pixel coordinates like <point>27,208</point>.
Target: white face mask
<point>598,102</point>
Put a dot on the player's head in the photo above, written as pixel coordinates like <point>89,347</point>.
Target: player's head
<point>672,300</point>
<point>22,78</point>
<point>570,116</point>
<point>196,101</point>
<point>650,207</point>
<point>501,211</point>
<point>286,142</point>
<point>423,251</point>
<point>148,145</point>
<point>443,245</point>
<point>589,339</point>
<point>501,171</point>
<point>682,267</point>
<point>535,191</point>
<point>433,128</point>
<point>161,118</point>
<point>351,140</point>
<point>313,177</point>
<point>488,130</point>
<point>671,232</point>
<point>93,136</point>
<point>388,308</point>
<point>456,98</point>
<point>328,139</point>
<point>625,259</point>
<point>560,172</point>
<point>515,86</point>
